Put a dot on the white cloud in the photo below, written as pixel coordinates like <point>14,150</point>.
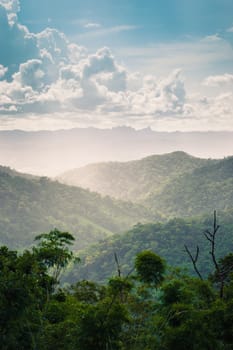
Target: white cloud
<point>159,97</point>
<point>194,56</point>
<point>211,38</point>
<point>100,32</point>
<point>10,5</point>
<point>230,30</point>
<point>92,25</point>
<point>216,80</point>
<point>18,43</point>
<point>31,74</point>
<point>3,71</point>
<point>49,79</point>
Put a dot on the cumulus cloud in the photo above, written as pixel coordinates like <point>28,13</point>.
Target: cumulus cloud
<point>45,74</point>
<point>216,80</point>
<point>18,43</point>
<point>12,7</point>
<point>3,71</point>
<point>31,74</point>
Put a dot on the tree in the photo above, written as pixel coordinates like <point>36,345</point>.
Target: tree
<point>222,267</point>
<point>150,267</point>
<point>53,251</point>
<point>23,292</point>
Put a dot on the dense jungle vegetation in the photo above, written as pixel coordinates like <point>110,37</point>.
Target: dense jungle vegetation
<point>154,307</point>
<point>166,239</point>
<point>155,273</point>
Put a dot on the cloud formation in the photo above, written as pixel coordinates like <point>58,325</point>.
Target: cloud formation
<point>92,25</point>
<point>216,80</point>
<point>45,75</point>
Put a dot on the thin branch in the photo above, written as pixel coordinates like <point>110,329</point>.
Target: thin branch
<point>212,240</point>
<point>194,260</point>
<point>209,233</point>
<point>117,264</point>
<point>197,253</point>
<point>209,239</point>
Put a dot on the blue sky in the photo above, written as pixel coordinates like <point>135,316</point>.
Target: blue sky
<point>158,20</point>
<point>164,64</point>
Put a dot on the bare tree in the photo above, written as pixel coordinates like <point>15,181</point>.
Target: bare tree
<point>220,271</point>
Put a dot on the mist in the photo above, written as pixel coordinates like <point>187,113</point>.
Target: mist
<point>49,153</point>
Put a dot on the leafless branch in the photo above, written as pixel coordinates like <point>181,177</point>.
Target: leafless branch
<point>117,264</point>
<point>194,260</point>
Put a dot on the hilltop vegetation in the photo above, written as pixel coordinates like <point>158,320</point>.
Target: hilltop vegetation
<point>29,206</point>
<point>205,189</point>
<point>134,180</point>
<point>173,184</point>
<point>166,239</point>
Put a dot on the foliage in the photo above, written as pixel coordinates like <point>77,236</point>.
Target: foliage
<point>206,188</point>
<point>150,267</point>
<point>172,311</point>
<point>133,180</point>
<point>30,205</point>
<point>53,251</point>
<point>173,185</point>
<point>165,239</point>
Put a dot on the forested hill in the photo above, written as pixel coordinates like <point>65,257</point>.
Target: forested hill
<point>174,184</point>
<point>134,180</point>
<point>205,189</point>
<point>12,172</point>
<point>29,206</point>
<point>166,239</point>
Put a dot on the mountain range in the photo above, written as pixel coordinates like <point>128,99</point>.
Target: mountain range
<point>49,153</point>
<point>167,199</point>
<point>174,184</point>
<point>31,205</point>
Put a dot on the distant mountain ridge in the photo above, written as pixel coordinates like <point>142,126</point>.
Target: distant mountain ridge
<point>133,180</point>
<point>49,153</point>
<point>174,184</point>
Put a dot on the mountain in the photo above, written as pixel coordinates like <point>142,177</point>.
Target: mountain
<point>165,239</point>
<point>12,172</point>
<point>174,184</point>
<point>49,153</point>
<point>29,206</point>
<point>201,191</point>
<point>134,180</point>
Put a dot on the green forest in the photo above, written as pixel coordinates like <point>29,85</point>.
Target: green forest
<point>166,239</point>
<point>151,268</point>
<point>31,205</point>
<point>155,306</point>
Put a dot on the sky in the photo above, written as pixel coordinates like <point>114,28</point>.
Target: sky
<point>165,64</point>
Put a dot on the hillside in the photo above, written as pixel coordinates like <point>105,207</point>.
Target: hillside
<point>165,239</point>
<point>29,206</point>
<point>174,184</point>
<point>40,152</point>
<point>134,180</point>
<point>205,189</point>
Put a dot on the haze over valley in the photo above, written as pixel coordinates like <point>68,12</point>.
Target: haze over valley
<point>116,175</point>
<point>49,153</point>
